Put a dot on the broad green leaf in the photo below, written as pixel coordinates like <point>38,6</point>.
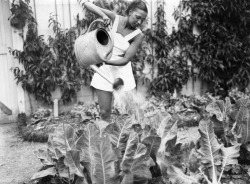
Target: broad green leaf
<point>64,141</point>
<point>119,133</point>
<point>101,125</point>
<point>140,150</point>
<point>228,106</point>
<point>176,176</point>
<point>105,159</point>
<point>136,160</point>
<point>153,143</point>
<point>168,141</point>
<point>170,133</point>
<point>193,160</point>
<point>87,144</point>
<point>128,178</point>
<point>237,132</point>
<point>154,118</point>
<point>230,155</point>
<point>162,160</point>
<point>241,128</point>
<point>216,108</point>
<point>209,146</point>
<point>128,157</point>
<point>81,181</point>
<point>44,156</point>
<point>177,154</point>
<point>72,160</point>
<point>141,165</point>
<point>242,115</point>
<point>63,170</point>
<point>245,137</point>
<point>51,171</point>
<point>58,153</point>
<point>52,153</point>
<point>243,102</point>
<point>163,124</point>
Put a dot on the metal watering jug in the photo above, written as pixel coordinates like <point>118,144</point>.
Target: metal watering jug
<point>96,47</point>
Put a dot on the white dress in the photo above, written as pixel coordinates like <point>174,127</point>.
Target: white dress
<point>121,44</point>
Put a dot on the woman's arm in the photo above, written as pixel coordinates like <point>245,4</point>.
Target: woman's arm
<point>129,53</point>
<point>100,11</point>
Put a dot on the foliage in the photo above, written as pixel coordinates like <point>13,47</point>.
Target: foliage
<point>235,94</point>
<point>172,69</point>
<point>35,129</point>
<point>72,76</point>
<point>234,118</point>
<point>146,149</point>
<point>219,47</point>
<point>46,67</point>
<point>37,61</point>
<point>90,157</point>
<point>20,13</point>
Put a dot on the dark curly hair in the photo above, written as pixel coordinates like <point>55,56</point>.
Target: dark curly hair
<point>140,4</point>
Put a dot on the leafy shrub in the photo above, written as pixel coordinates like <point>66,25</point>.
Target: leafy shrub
<point>46,67</point>
<point>171,67</point>
<point>220,49</point>
<point>145,150</point>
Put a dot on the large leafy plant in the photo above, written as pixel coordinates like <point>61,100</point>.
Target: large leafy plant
<point>72,75</point>
<point>142,148</point>
<point>219,49</point>
<point>46,67</point>
<point>169,69</point>
<point>90,158</point>
<point>37,60</point>
<point>231,121</point>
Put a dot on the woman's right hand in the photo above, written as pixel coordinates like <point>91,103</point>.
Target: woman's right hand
<point>106,21</point>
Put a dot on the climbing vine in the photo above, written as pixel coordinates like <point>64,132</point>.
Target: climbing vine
<point>47,66</point>
<point>220,48</point>
<point>172,69</point>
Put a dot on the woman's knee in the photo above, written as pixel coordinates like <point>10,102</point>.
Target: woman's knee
<point>105,114</point>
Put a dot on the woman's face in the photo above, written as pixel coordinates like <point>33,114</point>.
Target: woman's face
<point>136,17</point>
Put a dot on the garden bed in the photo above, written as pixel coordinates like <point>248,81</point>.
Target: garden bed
<point>185,140</point>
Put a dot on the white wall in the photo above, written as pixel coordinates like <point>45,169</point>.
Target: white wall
<point>8,88</point>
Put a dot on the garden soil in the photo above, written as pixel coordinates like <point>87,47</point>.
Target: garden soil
<point>18,161</point>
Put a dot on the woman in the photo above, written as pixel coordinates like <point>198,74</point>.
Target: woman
<point>127,39</point>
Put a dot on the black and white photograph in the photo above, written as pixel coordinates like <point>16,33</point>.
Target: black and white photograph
<point>124,91</point>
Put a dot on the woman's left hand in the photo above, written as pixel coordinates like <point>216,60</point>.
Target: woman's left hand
<point>106,21</point>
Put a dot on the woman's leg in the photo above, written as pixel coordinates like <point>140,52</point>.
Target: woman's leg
<point>105,104</point>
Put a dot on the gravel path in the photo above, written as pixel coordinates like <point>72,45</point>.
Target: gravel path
<point>17,159</point>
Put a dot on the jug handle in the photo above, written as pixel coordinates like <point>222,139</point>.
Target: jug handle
<point>97,20</point>
<point>111,34</point>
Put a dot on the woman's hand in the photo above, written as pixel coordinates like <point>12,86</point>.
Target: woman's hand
<point>106,21</point>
